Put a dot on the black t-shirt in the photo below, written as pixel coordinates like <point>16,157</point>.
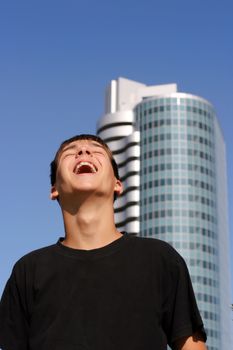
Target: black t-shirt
<point>135,294</point>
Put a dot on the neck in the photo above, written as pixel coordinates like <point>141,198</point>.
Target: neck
<point>89,224</point>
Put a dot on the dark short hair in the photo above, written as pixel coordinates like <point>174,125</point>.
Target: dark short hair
<point>54,163</point>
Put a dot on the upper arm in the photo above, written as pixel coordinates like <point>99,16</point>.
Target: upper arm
<point>13,317</point>
<point>181,317</point>
<point>194,342</point>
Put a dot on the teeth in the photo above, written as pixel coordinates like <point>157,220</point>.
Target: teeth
<point>93,169</point>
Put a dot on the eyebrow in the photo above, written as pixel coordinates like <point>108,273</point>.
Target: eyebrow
<point>97,144</point>
<point>68,147</point>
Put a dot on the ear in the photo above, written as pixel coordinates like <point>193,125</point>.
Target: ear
<point>53,193</point>
<point>118,187</point>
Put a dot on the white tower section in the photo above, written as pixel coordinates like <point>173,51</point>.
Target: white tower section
<point>117,129</point>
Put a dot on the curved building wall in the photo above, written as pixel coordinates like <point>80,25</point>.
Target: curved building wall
<point>117,130</point>
<point>224,239</point>
<point>178,191</point>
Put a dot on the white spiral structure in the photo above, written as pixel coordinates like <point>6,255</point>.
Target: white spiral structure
<point>118,132</point>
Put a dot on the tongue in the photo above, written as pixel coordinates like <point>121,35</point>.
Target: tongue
<point>84,169</point>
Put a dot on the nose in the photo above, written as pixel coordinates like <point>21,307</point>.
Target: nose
<point>83,150</point>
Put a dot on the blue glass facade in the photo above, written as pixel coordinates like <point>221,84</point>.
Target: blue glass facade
<point>178,191</point>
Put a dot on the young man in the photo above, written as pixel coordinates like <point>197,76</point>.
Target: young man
<point>97,288</point>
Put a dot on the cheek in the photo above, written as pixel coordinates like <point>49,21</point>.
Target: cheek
<point>111,179</point>
<point>63,173</point>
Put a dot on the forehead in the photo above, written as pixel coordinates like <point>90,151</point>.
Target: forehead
<point>77,143</point>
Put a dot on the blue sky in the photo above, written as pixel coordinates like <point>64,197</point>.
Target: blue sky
<point>56,58</point>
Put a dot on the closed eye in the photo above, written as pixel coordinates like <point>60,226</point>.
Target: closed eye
<point>98,152</point>
<point>69,154</point>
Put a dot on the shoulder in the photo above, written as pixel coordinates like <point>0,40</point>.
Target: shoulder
<point>156,246</point>
<point>33,257</point>
<point>159,253</point>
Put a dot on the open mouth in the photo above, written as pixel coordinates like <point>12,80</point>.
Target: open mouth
<point>85,168</point>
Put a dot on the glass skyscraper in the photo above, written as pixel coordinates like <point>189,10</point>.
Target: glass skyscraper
<point>171,156</point>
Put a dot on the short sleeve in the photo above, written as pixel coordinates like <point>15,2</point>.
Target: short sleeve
<point>13,317</point>
<point>181,314</point>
